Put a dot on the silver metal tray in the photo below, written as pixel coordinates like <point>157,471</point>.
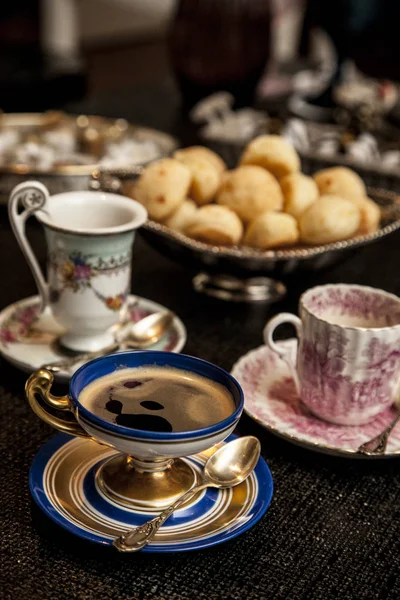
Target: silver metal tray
<point>65,178</point>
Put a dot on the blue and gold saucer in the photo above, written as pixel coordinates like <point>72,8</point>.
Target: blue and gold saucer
<point>63,483</point>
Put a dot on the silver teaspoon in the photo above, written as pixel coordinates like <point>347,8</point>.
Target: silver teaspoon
<point>227,467</point>
<point>377,445</point>
<point>137,335</point>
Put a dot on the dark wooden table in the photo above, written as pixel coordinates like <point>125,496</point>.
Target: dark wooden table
<point>332,530</point>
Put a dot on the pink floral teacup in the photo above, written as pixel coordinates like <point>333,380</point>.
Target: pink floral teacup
<point>348,358</point>
<point>89,238</point>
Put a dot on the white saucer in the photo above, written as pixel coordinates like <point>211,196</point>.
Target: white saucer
<point>28,347</point>
<point>272,400</point>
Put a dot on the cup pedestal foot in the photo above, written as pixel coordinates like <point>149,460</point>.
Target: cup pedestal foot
<point>145,486</point>
<point>77,343</point>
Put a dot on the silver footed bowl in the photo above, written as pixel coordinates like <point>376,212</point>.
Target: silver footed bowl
<point>243,260</point>
<point>247,274</point>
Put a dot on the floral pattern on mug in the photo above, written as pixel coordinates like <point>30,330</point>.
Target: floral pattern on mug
<point>348,360</point>
<point>113,302</point>
<point>76,272</point>
<point>327,389</point>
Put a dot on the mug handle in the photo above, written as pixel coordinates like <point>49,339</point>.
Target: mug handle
<point>281,350</point>
<point>33,196</point>
<point>39,384</point>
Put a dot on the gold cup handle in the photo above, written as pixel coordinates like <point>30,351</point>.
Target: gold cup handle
<point>39,384</point>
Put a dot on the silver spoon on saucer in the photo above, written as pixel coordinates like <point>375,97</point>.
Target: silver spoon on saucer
<point>139,335</point>
<point>228,466</point>
<point>377,445</point>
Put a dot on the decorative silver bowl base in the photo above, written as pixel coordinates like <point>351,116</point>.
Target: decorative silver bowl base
<point>234,289</point>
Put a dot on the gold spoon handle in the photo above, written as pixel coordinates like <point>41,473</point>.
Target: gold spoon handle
<point>378,444</point>
<point>135,539</point>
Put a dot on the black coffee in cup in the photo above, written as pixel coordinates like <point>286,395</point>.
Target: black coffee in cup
<point>160,399</point>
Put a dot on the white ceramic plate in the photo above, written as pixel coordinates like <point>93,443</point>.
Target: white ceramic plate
<point>27,347</point>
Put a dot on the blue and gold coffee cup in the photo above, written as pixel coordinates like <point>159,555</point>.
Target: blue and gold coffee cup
<point>146,469</point>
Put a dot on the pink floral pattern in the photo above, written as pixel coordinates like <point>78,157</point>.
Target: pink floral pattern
<point>331,391</point>
<point>18,325</point>
<point>349,357</point>
<point>353,301</point>
<point>271,398</point>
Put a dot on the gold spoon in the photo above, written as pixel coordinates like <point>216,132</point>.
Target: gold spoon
<point>137,336</point>
<point>227,467</point>
<point>377,445</point>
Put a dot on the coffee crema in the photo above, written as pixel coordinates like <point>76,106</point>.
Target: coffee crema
<point>161,399</point>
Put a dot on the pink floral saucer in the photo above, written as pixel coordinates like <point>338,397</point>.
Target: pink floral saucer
<point>272,400</point>
<point>28,342</point>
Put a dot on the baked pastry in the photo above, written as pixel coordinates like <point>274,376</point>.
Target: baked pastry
<point>250,191</point>
<point>370,214</point>
<point>340,181</point>
<point>271,230</point>
<point>182,216</point>
<point>206,178</point>
<point>299,192</point>
<point>329,219</point>
<point>202,152</point>
<point>162,187</point>
<point>215,225</point>
<point>273,153</point>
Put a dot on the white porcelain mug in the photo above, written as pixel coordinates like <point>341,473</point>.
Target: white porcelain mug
<point>348,358</point>
<point>89,237</point>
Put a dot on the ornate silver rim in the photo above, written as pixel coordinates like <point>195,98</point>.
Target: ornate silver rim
<point>388,200</point>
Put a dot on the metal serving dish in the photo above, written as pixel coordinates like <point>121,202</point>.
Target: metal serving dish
<point>67,177</point>
<point>262,267</point>
<point>243,273</point>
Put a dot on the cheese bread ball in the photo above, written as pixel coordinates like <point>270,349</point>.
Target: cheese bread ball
<point>370,214</point>
<point>250,191</point>
<point>340,181</point>
<point>299,192</point>
<point>273,153</point>
<point>202,152</point>
<point>271,230</point>
<point>162,187</point>
<point>329,219</point>
<point>182,216</point>
<point>206,178</point>
<point>215,225</point>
